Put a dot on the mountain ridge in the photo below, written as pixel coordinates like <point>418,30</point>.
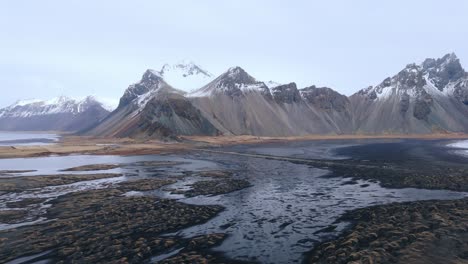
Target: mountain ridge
<point>60,113</point>
<point>430,97</point>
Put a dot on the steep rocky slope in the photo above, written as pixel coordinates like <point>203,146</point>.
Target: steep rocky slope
<point>237,104</point>
<point>425,98</point>
<point>152,108</point>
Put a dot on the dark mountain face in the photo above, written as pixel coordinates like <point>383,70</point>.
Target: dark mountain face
<point>287,93</point>
<point>152,108</point>
<point>151,80</point>
<point>325,98</point>
<point>444,70</point>
<point>173,115</point>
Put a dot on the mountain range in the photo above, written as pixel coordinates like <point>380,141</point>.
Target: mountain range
<point>185,99</point>
<point>59,114</point>
<point>422,98</point>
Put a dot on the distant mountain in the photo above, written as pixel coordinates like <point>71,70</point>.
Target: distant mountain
<point>61,113</point>
<point>425,98</point>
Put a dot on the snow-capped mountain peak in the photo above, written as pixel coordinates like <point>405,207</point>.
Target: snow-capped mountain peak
<point>186,75</point>
<point>272,84</point>
<point>234,82</point>
<point>57,105</point>
<point>442,77</point>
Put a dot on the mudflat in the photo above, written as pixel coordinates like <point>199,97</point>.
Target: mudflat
<point>129,221</point>
<point>126,146</point>
<point>111,225</point>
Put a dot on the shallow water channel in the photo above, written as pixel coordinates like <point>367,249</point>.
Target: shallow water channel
<point>281,216</point>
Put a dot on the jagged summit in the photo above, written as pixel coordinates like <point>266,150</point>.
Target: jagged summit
<point>151,75</point>
<point>286,93</point>
<point>187,68</point>
<point>433,76</point>
<point>272,84</point>
<point>325,98</point>
<point>421,98</point>
<point>234,82</point>
<point>150,81</point>
<point>444,70</point>
<point>186,75</point>
<point>239,75</point>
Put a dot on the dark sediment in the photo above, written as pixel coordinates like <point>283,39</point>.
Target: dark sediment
<point>12,216</point>
<point>412,163</point>
<point>102,226</point>
<point>197,250</point>
<point>7,172</point>
<point>215,174</point>
<point>160,163</point>
<point>17,184</point>
<point>25,202</point>
<point>94,167</point>
<point>413,232</point>
<point>213,187</point>
<point>143,185</point>
<point>401,164</point>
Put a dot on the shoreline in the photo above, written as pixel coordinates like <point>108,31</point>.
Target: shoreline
<point>76,145</point>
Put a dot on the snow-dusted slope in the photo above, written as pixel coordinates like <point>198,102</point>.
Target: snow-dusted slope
<point>234,82</point>
<point>424,98</point>
<point>58,105</point>
<point>61,113</point>
<point>272,84</point>
<point>153,108</point>
<point>237,104</point>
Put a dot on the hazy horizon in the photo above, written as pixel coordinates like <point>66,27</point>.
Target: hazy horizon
<point>79,48</point>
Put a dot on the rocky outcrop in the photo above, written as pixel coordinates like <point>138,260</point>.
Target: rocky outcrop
<point>151,80</point>
<point>444,70</point>
<point>173,115</point>
<point>286,93</point>
<point>325,98</point>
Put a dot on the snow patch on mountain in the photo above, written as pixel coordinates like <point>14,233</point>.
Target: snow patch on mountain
<point>234,82</point>
<point>272,84</point>
<point>37,107</point>
<point>436,77</point>
<point>186,75</point>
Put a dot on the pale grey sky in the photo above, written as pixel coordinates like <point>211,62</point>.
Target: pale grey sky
<point>55,47</point>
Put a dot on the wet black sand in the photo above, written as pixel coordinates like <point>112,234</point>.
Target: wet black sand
<point>102,226</point>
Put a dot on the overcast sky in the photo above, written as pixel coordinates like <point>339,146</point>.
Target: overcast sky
<point>54,47</point>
